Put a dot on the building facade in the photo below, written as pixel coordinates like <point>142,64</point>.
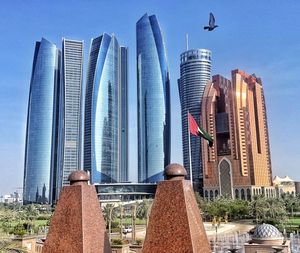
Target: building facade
<point>41,145</point>
<point>70,111</point>
<point>123,192</point>
<point>195,71</point>
<point>284,185</point>
<point>124,114</point>
<point>103,121</point>
<point>234,113</point>
<point>153,96</point>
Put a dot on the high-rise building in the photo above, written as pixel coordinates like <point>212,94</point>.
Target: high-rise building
<point>103,109</point>
<point>70,111</point>
<point>42,124</point>
<point>153,96</point>
<point>124,114</point>
<point>234,113</point>
<point>195,71</point>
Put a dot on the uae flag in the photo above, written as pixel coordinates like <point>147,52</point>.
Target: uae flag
<point>198,131</point>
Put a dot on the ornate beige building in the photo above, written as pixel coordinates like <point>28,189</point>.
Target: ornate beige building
<point>234,113</point>
<point>284,185</point>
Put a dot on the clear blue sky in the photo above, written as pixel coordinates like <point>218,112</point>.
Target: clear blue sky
<point>261,37</point>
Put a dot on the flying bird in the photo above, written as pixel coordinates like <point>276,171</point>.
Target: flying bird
<point>211,26</point>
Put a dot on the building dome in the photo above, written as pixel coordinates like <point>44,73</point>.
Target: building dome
<point>266,232</point>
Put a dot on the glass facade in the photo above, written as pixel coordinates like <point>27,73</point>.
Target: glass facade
<point>125,191</point>
<point>70,108</point>
<point>195,71</point>
<point>124,114</point>
<point>40,163</point>
<point>102,140</point>
<point>153,91</point>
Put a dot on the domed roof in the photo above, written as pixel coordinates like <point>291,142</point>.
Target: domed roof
<point>266,232</point>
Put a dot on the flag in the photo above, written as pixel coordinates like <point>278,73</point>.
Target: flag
<point>198,131</point>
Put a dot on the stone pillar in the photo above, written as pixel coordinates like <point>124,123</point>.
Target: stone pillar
<point>175,224</point>
<point>77,225</point>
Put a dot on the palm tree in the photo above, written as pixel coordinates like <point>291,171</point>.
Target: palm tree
<point>143,210</point>
<point>259,208</point>
<point>276,209</point>
<point>291,202</point>
<point>109,214</point>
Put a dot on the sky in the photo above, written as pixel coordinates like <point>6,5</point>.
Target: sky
<point>261,37</point>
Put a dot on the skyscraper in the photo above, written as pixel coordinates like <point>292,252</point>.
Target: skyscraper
<point>234,113</point>
<point>195,71</point>
<point>70,110</point>
<point>42,124</point>
<point>103,121</point>
<point>153,91</point>
<point>124,114</point>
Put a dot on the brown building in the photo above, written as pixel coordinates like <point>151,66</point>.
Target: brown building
<point>234,113</point>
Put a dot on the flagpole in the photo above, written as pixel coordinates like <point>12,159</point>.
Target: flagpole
<point>190,155</point>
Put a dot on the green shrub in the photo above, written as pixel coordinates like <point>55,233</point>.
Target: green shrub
<point>117,242</point>
<point>115,224</point>
<point>139,241</point>
<point>18,230</point>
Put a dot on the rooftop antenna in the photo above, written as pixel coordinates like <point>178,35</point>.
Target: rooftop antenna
<point>187,42</point>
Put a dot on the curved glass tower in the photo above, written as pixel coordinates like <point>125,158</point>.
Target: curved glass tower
<point>103,110</point>
<point>42,126</point>
<point>153,91</point>
<point>195,71</point>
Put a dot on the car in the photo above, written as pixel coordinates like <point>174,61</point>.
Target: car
<point>127,230</point>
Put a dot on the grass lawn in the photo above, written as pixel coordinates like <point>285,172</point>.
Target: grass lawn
<point>127,221</point>
<point>294,221</point>
<point>41,222</point>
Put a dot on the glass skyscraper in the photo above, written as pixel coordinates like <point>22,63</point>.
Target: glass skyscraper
<point>195,71</point>
<point>70,110</point>
<point>153,91</point>
<point>42,124</point>
<point>124,114</point>
<point>103,110</point>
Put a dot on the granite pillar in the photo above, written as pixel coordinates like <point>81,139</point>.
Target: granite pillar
<point>175,224</point>
<point>77,225</point>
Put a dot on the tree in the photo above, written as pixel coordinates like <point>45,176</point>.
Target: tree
<point>219,207</point>
<point>258,208</point>
<point>276,211</point>
<point>109,214</point>
<point>271,210</point>
<point>31,212</point>
<point>143,210</point>
<point>291,203</point>
<point>238,209</point>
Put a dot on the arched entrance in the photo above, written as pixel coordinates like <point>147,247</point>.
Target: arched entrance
<point>225,178</point>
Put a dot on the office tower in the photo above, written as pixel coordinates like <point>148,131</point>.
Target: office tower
<point>42,124</point>
<point>153,96</point>
<point>70,111</point>
<point>234,113</point>
<point>124,114</point>
<point>195,71</point>
<point>103,110</point>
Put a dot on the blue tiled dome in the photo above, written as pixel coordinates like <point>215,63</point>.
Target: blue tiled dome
<point>266,232</point>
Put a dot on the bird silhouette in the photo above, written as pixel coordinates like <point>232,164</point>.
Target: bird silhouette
<point>211,25</point>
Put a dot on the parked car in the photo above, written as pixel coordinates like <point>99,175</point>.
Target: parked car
<point>127,230</point>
